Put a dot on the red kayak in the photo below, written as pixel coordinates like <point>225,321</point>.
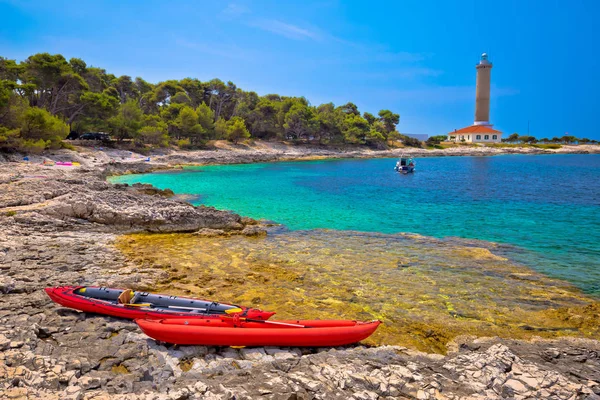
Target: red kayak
<point>125,303</point>
<point>228,331</point>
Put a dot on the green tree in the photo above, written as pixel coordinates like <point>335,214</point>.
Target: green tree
<point>206,119</point>
<point>57,85</point>
<point>369,117</point>
<point>38,124</point>
<point>389,119</point>
<point>435,140</point>
<point>221,129</point>
<point>10,70</point>
<point>377,135</point>
<point>513,138</point>
<point>300,122</point>
<point>236,130</point>
<point>188,126</point>
<point>181,98</point>
<point>153,135</point>
<point>527,139</point>
<point>330,123</point>
<point>94,107</point>
<point>126,88</point>
<point>128,121</point>
<point>394,136</point>
<point>355,128</point>
<point>568,139</point>
<point>350,108</point>
<point>411,142</point>
<point>263,119</point>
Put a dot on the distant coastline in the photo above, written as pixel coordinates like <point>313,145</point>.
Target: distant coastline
<point>117,161</point>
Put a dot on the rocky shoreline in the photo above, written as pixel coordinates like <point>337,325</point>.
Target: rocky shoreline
<point>59,225</point>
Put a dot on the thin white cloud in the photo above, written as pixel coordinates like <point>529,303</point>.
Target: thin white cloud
<point>234,10</point>
<point>219,50</point>
<point>284,29</point>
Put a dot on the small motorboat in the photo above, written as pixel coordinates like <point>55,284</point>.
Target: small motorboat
<point>405,165</point>
<point>126,303</point>
<point>236,331</point>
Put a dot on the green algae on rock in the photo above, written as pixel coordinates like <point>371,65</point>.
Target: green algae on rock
<point>426,291</point>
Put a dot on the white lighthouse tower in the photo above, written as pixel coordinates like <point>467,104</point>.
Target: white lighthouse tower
<point>481,131</point>
<point>482,91</point>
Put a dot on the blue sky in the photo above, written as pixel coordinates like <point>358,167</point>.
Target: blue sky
<point>416,58</point>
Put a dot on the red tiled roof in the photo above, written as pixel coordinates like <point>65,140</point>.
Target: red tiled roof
<point>475,129</point>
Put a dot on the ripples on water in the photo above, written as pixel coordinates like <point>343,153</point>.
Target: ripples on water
<point>547,207</point>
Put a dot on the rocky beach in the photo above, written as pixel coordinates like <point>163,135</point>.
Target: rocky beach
<point>60,226</point>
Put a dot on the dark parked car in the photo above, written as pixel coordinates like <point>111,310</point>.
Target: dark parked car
<point>73,135</point>
<point>95,136</point>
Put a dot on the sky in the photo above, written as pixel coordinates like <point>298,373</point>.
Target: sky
<point>416,58</point>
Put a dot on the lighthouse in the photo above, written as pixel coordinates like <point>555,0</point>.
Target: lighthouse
<point>481,131</point>
<point>482,91</point>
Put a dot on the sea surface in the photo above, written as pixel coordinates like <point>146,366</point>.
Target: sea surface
<point>543,211</point>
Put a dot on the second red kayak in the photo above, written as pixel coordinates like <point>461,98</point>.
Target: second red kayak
<point>236,332</point>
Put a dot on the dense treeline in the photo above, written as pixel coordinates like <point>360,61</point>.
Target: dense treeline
<point>566,139</point>
<point>46,96</point>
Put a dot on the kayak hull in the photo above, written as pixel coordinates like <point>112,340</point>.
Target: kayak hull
<point>71,297</point>
<point>225,332</point>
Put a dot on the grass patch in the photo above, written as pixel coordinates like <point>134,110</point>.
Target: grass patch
<point>547,146</point>
<point>10,213</point>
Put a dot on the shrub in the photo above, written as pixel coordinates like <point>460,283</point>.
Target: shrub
<point>68,146</point>
<point>547,146</point>
<point>154,135</point>
<point>30,146</point>
<point>411,142</point>
<point>38,124</point>
<point>184,143</point>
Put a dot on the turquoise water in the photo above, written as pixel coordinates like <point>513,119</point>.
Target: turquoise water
<point>546,209</point>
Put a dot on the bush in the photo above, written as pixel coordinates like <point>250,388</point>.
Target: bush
<point>38,124</point>
<point>153,135</point>
<point>547,146</point>
<point>68,146</point>
<point>184,143</point>
<point>435,140</point>
<point>411,142</point>
<point>30,146</point>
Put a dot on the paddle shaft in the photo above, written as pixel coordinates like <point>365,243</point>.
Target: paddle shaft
<point>274,323</point>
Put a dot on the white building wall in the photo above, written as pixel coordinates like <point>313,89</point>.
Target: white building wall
<point>475,137</point>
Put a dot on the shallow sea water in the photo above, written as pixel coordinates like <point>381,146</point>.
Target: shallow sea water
<point>547,207</point>
<point>503,246</point>
<point>426,291</point>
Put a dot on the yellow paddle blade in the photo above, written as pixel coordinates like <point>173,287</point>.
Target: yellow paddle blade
<point>233,310</point>
<point>139,305</point>
<point>237,347</point>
